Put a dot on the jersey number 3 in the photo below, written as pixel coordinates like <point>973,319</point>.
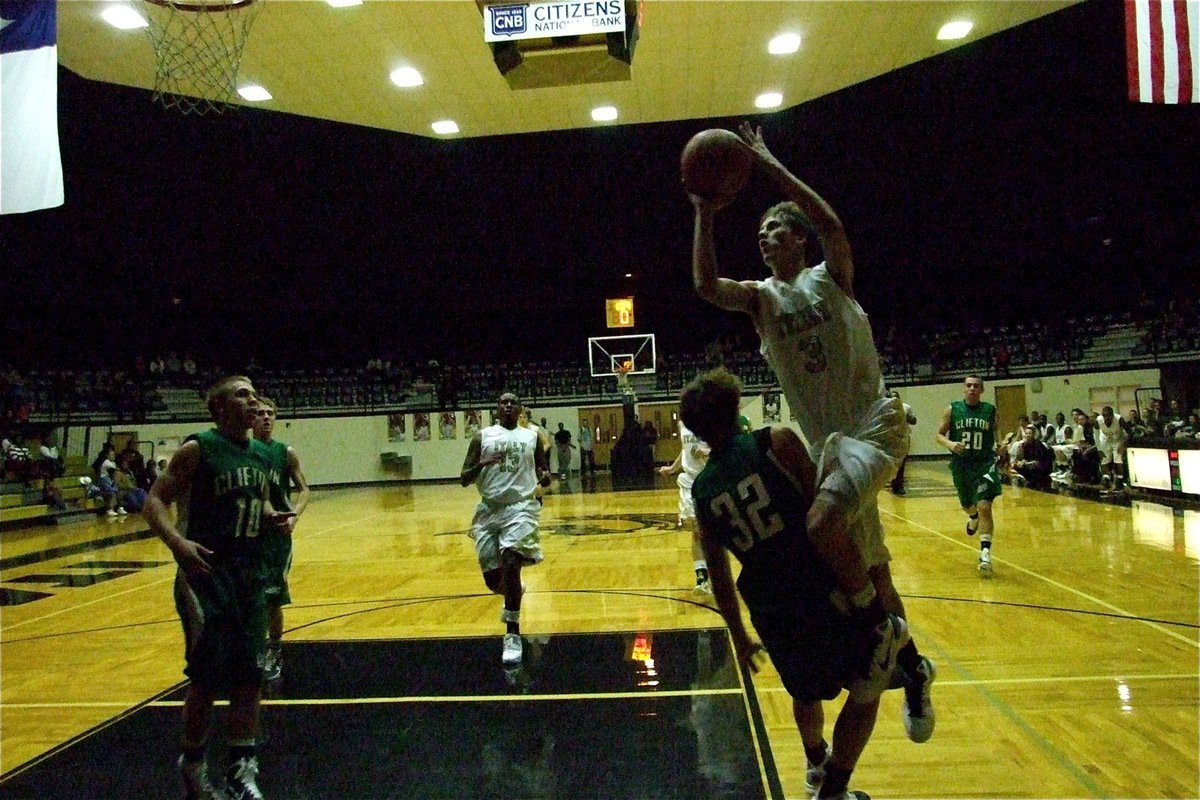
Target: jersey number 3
<point>749,515</point>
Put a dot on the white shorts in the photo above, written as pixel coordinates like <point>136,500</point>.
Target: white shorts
<point>854,465</point>
<point>513,527</point>
<point>687,508</point>
<point>1110,452</point>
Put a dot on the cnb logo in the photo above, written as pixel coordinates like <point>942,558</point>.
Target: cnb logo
<point>508,20</point>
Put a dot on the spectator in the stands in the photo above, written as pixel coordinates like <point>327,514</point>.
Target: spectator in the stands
<point>189,366</point>
<point>106,459</point>
<point>174,365</point>
<point>1174,418</point>
<point>1135,426</point>
<point>1032,463</point>
<point>157,366</point>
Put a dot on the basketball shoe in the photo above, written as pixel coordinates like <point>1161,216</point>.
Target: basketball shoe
<point>241,780</point>
<point>985,563</point>
<point>196,785</point>
<point>273,664</point>
<point>917,709</point>
<point>511,654</point>
<point>815,773</point>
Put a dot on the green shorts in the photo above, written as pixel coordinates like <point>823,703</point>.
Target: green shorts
<point>277,554</point>
<point>975,483</point>
<point>224,616</point>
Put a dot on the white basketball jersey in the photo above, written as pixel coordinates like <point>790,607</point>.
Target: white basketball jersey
<point>1109,434</point>
<point>694,455</point>
<point>818,342</point>
<point>514,477</point>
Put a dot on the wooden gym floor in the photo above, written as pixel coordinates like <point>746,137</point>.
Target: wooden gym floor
<point>1073,673</point>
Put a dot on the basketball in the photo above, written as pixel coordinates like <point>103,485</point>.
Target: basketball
<point>715,163</point>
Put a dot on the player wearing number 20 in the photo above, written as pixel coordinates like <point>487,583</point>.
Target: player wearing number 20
<point>968,431</point>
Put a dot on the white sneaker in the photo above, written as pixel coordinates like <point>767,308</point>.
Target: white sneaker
<point>917,709</point>
<point>111,513</point>
<point>121,511</point>
<point>273,664</point>
<point>816,773</point>
<point>985,563</point>
<point>241,780</point>
<point>512,649</point>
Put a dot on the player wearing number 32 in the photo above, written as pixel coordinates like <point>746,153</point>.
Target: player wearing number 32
<point>220,479</point>
<point>968,431</point>
<point>818,342</point>
<point>807,589</point>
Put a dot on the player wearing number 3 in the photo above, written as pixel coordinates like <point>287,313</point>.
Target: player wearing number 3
<point>968,431</point>
<point>818,342</point>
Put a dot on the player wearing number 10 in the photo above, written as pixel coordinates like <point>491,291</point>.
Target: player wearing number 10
<point>219,478</point>
<point>968,431</point>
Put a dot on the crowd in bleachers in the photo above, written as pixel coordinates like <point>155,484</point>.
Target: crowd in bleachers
<point>152,388</point>
<point>1086,449</point>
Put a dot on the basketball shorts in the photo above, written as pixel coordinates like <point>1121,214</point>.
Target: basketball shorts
<point>854,465</point>
<point>1110,452</point>
<point>224,616</point>
<point>815,654</point>
<point>687,508</point>
<point>497,528</point>
<point>975,483</point>
<point>277,554</point>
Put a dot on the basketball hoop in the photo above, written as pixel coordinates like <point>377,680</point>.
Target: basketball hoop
<point>622,372</point>
<point>198,50</point>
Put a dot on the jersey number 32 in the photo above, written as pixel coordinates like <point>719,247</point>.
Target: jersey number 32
<point>749,515</point>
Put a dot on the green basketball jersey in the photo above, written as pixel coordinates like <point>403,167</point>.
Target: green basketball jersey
<point>975,427</point>
<point>223,508</point>
<point>751,506</point>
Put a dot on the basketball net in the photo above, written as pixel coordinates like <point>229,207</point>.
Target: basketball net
<point>622,372</point>
<point>198,50</point>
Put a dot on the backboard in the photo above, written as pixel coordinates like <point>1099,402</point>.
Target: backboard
<point>605,353</point>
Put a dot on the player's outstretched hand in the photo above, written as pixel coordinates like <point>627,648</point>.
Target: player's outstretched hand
<point>754,140</point>
<point>709,205</point>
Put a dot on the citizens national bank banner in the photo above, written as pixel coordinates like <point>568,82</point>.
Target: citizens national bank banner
<point>508,21</point>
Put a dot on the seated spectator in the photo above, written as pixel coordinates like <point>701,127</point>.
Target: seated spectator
<point>1135,426</point>
<point>1085,461</point>
<point>49,462</point>
<point>105,460</point>
<point>148,475</point>
<point>130,459</point>
<point>130,496</point>
<point>1032,463</point>
<point>16,458</point>
<point>1190,427</point>
<point>1173,419</point>
<point>106,486</point>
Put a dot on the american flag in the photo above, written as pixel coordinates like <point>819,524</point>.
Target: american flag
<point>1162,42</point>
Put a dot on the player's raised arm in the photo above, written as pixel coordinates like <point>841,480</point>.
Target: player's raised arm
<point>721,292</point>
<point>830,231</point>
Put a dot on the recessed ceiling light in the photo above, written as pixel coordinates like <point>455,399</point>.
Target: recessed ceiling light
<point>445,126</point>
<point>955,30</point>
<point>344,3</point>
<point>604,113</point>
<point>783,44</point>
<point>123,17</point>
<point>254,93</point>
<point>768,100</point>
<point>407,76</point>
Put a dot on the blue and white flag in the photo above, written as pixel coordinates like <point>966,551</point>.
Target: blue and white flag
<point>31,175</point>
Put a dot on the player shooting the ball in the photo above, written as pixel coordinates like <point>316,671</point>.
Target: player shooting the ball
<point>818,342</point>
